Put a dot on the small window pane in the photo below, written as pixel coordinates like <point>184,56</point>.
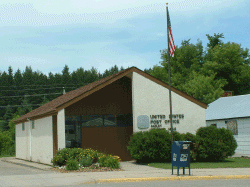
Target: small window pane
<point>232,126</point>
<point>215,125</point>
<point>94,121</point>
<point>23,127</point>
<point>109,120</point>
<point>33,124</point>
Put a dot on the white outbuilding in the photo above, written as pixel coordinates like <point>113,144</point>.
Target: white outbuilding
<point>232,113</point>
<point>104,114</point>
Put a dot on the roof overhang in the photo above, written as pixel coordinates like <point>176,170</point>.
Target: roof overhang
<point>128,73</point>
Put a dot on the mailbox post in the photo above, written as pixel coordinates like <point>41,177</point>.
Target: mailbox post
<point>181,155</point>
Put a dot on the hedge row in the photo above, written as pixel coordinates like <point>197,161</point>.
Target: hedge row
<point>209,144</point>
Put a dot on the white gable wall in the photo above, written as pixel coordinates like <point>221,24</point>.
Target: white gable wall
<point>35,144</point>
<point>243,137</point>
<point>42,141</point>
<point>150,98</point>
<point>22,146</point>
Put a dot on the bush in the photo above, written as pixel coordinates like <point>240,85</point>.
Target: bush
<point>72,165</point>
<point>152,146</point>
<point>85,157</point>
<point>109,161</point>
<point>209,144</point>
<point>61,157</point>
<point>86,161</point>
<point>65,154</point>
<point>7,146</point>
<point>90,153</point>
<point>214,144</point>
<point>178,136</point>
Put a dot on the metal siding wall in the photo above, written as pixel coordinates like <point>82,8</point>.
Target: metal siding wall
<point>243,137</point>
<point>243,126</point>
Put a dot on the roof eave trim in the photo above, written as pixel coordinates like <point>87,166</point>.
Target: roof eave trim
<point>39,116</point>
<point>227,118</point>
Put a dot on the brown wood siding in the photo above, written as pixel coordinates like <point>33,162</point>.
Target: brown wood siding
<point>115,98</point>
<point>55,137</point>
<point>110,140</point>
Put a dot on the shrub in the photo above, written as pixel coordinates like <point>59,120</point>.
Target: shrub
<point>83,156</point>
<point>94,154</point>
<point>61,157</point>
<point>86,161</point>
<point>6,144</point>
<point>72,165</point>
<point>109,161</point>
<point>151,146</point>
<point>178,136</point>
<point>58,160</point>
<point>75,153</point>
<point>214,144</point>
<point>65,154</point>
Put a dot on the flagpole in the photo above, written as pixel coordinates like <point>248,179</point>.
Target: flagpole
<point>169,79</point>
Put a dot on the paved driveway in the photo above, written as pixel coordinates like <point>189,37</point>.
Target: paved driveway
<point>13,169</point>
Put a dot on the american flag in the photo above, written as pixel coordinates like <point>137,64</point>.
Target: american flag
<point>170,39</point>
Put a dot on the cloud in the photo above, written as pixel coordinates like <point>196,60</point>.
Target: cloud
<point>49,34</point>
<point>48,12</point>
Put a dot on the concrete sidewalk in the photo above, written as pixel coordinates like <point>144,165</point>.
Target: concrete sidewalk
<point>132,172</point>
<point>21,162</point>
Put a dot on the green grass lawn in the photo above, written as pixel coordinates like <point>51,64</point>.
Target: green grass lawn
<point>228,163</point>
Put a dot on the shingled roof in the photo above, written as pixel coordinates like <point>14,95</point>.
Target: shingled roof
<point>52,107</point>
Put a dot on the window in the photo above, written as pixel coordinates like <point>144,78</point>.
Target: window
<point>109,120</point>
<point>232,126</point>
<point>94,121</point>
<point>23,126</point>
<point>215,125</point>
<point>74,125</point>
<point>33,124</point>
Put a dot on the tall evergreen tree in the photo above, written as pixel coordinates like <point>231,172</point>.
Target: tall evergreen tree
<point>111,71</point>
<point>18,78</point>
<point>79,77</point>
<point>10,76</point>
<point>28,76</point>
<point>25,108</point>
<point>7,117</point>
<point>66,77</point>
<point>45,100</point>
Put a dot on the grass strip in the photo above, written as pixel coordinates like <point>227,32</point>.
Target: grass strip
<point>228,163</point>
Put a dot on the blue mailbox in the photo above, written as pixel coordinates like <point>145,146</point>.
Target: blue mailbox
<point>181,155</point>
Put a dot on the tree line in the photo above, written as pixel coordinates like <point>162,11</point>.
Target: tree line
<point>206,73</point>
<point>21,92</point>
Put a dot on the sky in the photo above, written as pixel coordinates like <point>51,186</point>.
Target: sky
<point>47,35</point>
